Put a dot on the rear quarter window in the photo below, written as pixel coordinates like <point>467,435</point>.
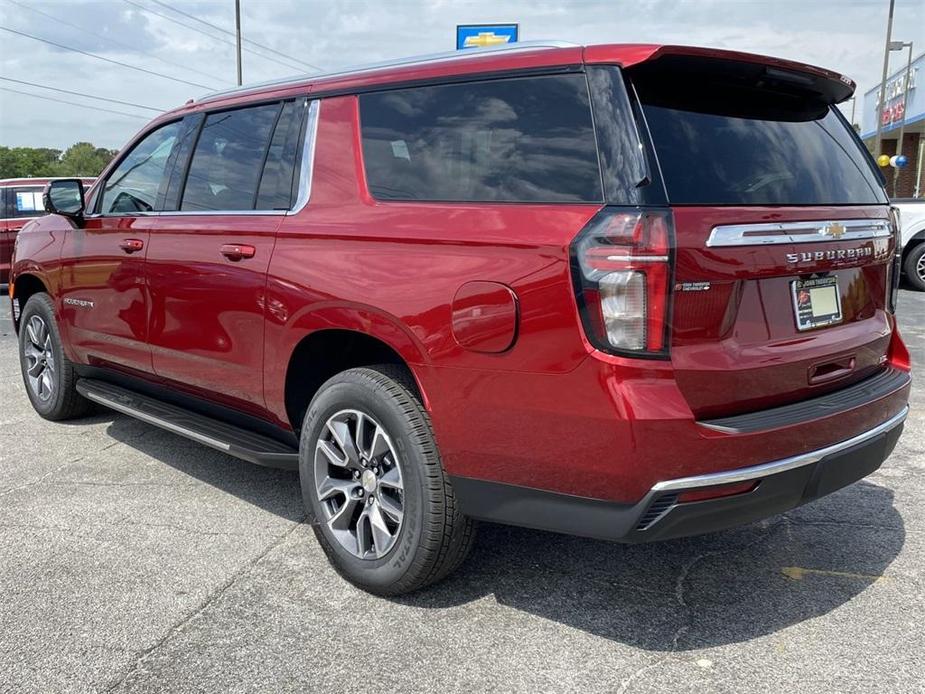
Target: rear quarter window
<point>512,140</point>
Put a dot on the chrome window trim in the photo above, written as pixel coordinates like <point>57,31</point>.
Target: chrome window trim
<point>757,472</point>
<point>225,213</point>
<point>796,232</point>
<point>193,213</point>
<point>308,158</point>
<point>305,183</point>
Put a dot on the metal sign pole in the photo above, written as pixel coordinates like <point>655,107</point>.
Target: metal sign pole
<point>886,67</point>
<point>237,28</point>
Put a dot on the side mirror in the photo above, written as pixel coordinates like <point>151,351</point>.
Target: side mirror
<point>65,197</point>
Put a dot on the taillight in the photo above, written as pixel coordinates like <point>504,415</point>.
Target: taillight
<point>621,265</point>
<point>895,270</point>
<point>898,354</point>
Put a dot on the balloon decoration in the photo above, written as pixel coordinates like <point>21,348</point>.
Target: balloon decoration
<point>897,161</point>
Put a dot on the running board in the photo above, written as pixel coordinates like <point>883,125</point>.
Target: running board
<point>227,438</point>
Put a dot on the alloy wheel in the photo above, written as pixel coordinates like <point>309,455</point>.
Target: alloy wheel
<point>40,359</point>
<point>359,485</point>
<point>920,267</point>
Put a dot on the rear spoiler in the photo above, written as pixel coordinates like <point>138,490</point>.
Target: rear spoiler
<point>759,70</point>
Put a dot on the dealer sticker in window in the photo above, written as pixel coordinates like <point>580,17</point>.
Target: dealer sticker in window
<point>816,302</point>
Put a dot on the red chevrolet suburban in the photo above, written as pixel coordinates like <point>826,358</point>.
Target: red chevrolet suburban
<point>629,292</point>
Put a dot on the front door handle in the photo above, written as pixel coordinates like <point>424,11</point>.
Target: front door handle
<point>131,245</point>
<point>238,251</point>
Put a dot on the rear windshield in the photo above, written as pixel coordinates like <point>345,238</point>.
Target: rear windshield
<point>718,144</point>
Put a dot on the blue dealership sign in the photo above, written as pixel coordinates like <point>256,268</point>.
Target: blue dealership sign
<point>485,35</point>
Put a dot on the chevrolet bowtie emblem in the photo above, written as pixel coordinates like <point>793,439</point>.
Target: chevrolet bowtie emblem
<point>834,229</point>
<point>485,39</point>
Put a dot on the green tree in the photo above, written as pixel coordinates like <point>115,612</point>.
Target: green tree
<point>25,162</point>
<point>83,159</point>
<point>80,159</point>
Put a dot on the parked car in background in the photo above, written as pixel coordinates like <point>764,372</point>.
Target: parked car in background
<point>627,292</point>
<point>912,226</point>
<point>20,201</point>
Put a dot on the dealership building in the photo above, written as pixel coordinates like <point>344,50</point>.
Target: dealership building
<point>906,110</point>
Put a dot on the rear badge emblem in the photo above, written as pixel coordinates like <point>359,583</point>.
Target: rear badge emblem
<point>692,287</point>
<point>834,229</point>
<point>835,254</point>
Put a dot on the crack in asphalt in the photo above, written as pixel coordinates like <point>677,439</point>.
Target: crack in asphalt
<point>205,604</point>
<point>849,524</point>
<point>77,532</point>
<point>51,473</point>
<point>683,605</point>
<point>58,469</point>
<point>82,483</point>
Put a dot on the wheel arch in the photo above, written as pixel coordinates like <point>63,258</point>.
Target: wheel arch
<point>323,353</point>
<point>24,286</point>
<point>912,244</point>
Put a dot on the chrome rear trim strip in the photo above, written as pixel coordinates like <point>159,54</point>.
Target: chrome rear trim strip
<point>758,472</point>
<point>798,232</point>
<point>308,158</point>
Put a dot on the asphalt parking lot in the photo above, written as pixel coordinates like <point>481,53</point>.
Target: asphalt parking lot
<point>134,560</point>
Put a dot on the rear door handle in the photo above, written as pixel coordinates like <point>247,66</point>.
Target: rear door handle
<point>131,245</point>
<point>238,251</point>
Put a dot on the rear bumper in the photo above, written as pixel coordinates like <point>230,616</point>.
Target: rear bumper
<point>781,485</point>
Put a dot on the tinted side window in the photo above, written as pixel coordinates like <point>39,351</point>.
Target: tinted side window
<point>225,171</point>
<point>276,183</point>
<point>26,202</point>
<point>517,140</point>
<point>135,183</point>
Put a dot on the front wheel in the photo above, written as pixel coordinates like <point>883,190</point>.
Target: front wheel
<point>49,376</point>
<point>373,484</point>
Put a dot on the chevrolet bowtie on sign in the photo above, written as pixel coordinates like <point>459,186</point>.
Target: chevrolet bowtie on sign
<point>485,35</point>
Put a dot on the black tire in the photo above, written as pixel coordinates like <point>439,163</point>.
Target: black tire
<point>62,401</point>
<point>434,538</point>
<point>914,266</point>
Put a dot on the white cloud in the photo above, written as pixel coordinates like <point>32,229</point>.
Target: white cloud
<point>844,35</point>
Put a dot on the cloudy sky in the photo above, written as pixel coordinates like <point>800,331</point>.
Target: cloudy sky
<point>172,38</point>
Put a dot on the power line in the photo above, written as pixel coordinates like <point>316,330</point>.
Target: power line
<point>62,101</point>
<point>205,33</point>
<point>81,94</point>
<point>182,24</point>
<point>112,40</point>
<point>231,33</point>
<point>108,60</point>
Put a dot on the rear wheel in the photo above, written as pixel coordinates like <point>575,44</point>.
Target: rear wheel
<point>374,485</point>
<point>48,374</point>
<point>914,267</point>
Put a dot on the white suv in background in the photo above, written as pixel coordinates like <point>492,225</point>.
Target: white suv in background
<point>912,226</point>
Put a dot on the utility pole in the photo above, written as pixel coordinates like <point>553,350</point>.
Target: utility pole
<point>886,68</point>
<point>237,29</point>
<point>902,123</point>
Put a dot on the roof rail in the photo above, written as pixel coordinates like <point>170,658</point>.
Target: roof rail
<point>466,54</point>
